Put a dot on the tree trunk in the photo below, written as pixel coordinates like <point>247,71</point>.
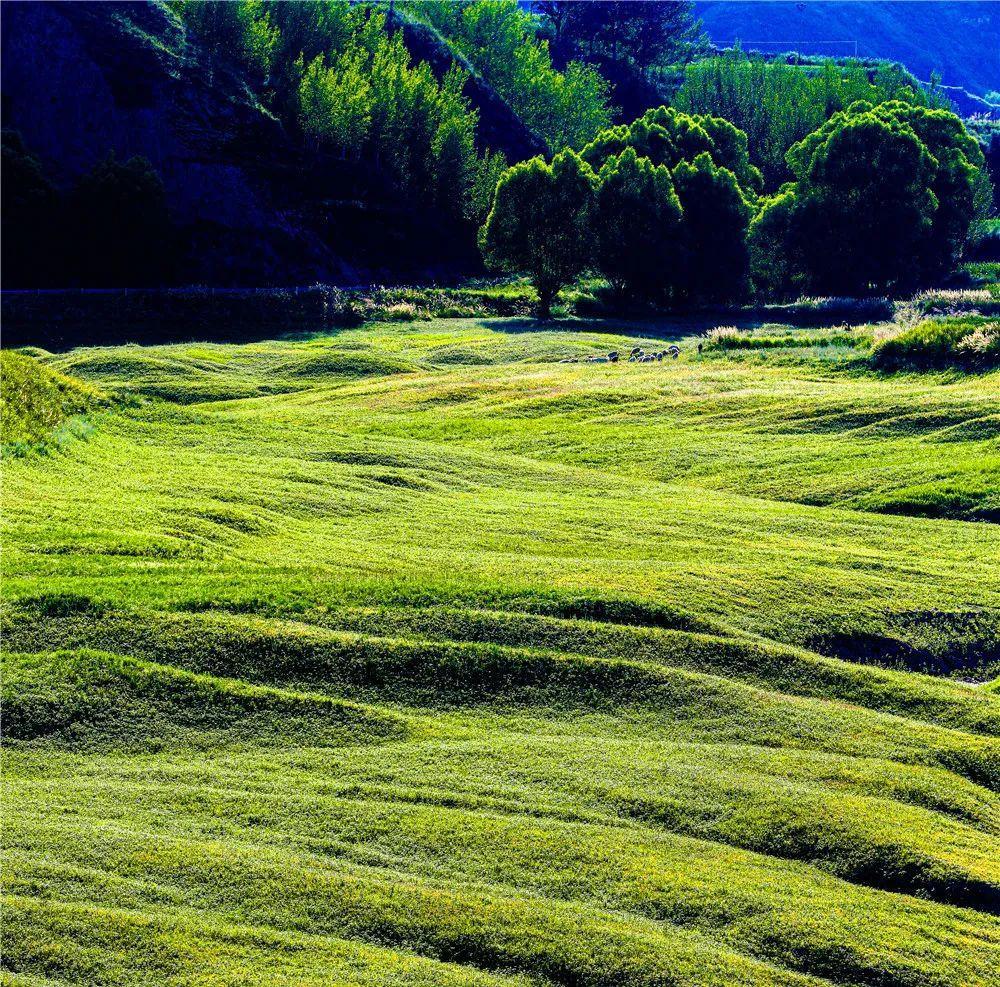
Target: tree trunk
<point>546,294</point>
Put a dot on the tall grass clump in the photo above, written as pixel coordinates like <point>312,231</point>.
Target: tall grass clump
<point>967,343</point>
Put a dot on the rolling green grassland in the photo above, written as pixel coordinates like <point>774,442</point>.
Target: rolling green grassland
<point>411,655</point>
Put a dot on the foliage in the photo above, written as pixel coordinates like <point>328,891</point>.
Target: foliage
<point>667,137</point>
<point>716,216</point>
<point>884,199</point>
<point>775,267</point>
<point>715,182</point>
<point>540,223</point>
<point>565,108</point>
<point>641,35</point>
<point>631,44</point>
<point>776,104</point>
<point>240,29</point>
<point>368,100</point>
<point>636,226</point>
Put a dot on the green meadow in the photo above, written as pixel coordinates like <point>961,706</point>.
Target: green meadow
<point>411,654</point>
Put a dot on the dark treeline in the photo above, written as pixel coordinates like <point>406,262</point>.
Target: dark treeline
<point>111,227</point>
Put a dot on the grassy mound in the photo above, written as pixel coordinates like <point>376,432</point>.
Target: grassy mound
<point>92,697</point>
<point>37,402</point>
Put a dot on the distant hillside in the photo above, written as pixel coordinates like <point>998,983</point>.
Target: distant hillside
<point>960,41</point>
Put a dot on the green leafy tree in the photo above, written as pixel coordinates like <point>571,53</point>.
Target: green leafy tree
<point>336,103</point>
<point>641,35</point>
<point>865,205</point>
<point>961,183</point>
<point>777,104</point>
<point>636,223</point>
<point>540,223</point>
<point>486,175</point>
<point>775,264</point>
<point>884,199</point>
<point>717,214</point>
<point>666,136</point>
<point>500,39</point>
<point>238,29</point>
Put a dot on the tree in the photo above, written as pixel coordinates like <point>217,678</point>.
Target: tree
<point>775,262</point>
<point>961,183</point>
<point>540,223</point>
<point>336,103</point>
<point>122,228</point>
<point>777,104</point>
<point>637,226</point>
<point>566,109</point>
<point>876,210</point>
<point>667,137</point>
<point>31,251</point>
<point>238,29</point>
<point>709,164</point>
<point>716,216</point>
<point>641,35</point>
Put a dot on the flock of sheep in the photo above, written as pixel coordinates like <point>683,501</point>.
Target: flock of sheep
<point>638,355</point>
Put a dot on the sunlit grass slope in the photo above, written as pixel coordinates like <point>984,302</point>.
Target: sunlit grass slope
<point>411,655</point>
<point>38,404</point>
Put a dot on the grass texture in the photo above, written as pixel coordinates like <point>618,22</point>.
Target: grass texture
<point>408,654</point>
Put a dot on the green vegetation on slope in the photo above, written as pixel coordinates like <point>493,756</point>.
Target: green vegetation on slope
<point>37,401</point>
<point>409,654</point>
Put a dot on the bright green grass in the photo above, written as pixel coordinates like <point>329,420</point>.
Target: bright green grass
<point>409,655</point>
<point>38,404</point>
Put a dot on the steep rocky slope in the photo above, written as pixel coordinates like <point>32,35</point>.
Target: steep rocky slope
<point>252,205</point>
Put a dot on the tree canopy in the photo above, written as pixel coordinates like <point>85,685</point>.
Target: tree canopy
<point>883,199</point>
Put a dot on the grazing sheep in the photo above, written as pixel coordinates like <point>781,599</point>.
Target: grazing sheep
<point>699,349</point>
<point>674,350</point>
<point>647,358</point>
<point>613,356</point>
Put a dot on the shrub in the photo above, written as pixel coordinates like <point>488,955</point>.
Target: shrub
<point>725,338</point>
<point>540,223</point>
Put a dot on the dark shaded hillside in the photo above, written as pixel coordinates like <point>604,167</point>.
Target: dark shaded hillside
<point>250,205</point>
<point>960,41</point>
